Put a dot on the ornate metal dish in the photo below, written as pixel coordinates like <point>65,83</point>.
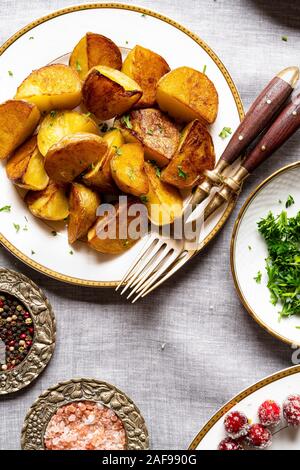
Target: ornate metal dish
<point>41,351</point>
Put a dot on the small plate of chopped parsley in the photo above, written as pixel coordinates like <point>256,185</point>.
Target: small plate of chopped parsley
<point>265,254</point>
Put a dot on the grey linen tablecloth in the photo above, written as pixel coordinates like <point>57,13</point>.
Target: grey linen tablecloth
<point>184,351</point>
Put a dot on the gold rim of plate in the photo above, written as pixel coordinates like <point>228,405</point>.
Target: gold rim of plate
<point>83,389</point>
<point>237,399</point>
<point>202,44</point>
<point>232,252</point>
<point>41,351</point>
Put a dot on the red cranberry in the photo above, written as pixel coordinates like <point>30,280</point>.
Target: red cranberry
<point>259,437</point>
<point>229,444</point>
<point>22,336</point>
<point>291,410</point>
<point>236,424</point>
<point>269,413</point>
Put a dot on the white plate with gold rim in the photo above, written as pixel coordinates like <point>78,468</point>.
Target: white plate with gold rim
<point>249,251</point>
<point>52,37</point>
<point>274,387</point>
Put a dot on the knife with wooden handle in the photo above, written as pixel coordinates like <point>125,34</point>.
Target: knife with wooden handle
<point>256,120</point>
<point>286,124</point>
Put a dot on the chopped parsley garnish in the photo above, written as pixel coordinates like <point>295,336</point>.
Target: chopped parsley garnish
<point>32,252</point>
<point>144,199</point>
<point>130,173</point>
<point>150,132</point>
<point>126,120</point>
<point>78,66</point>
<point>280,201</point>
<point>118,150</point>
<point>88,114</point>
<point>31,37</point>
<point>249,247</point>
<point>258,277</point>
<point>71,252</point>
<point>284,38</point>
<point>158,172</point>
<point>17,227</point>
<point>127,42</point>
<point>282,236</point>
<point>143,15</point>
<point>204,69</point>
<point>10,73</point>
<point>181,173</point>
<point>25,229</point>
<point>289,202</point>
<point>53,113</point>
<point>225,132</point>
<point>5,209</point>
<point>103,127</point>
<point>54,233</point>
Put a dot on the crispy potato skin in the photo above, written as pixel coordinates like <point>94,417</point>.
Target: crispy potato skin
<point>187,94</point>
<point>59,124</point>
<point>108,92</point>
<point>108,245</point>
<point>26,169</point>
<point>55,86</point>
<point>94,49</point>
<point>127,168</point>
<point>146,68</point>
<point>83,204</point>
<point>194,155</point>
<point>164,202</point>
<point>155,131</point>
<point>18,120</point>
<point>49,204</point>
<point>72,155</point>
<point>100,176</point>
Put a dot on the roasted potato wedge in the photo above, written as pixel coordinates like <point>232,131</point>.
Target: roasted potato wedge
<point>100,175</point>
<point>72,155</point>
<point>194,155</point>
<point>108,92</point>
<point>146,68</point>
<point>187,94</point>
<point>94,49</point>
<point>154,130</point>
<point>49,204</point>
<point>83,205</point>
<point>127,169</point>
<point>18,120</point>
<point>55,86</point>
<point>163,201</point>
<point>25,168</point>
<point>99,237</point>
<point>58,124</point>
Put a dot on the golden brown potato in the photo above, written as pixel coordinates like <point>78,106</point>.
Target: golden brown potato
<point>26,168</point>
<point>194,155</point>
<point>127,169</point>
<point>54,86</point>
<point>94,49</point>
<point>100,175</point>
<point>18,119</point>
<point>146,68</point>
<point>72,155</point>
<point>187,94</point>
<point>49,204</point>
<point>99,235</point>
<point>58,124</point>
<point>154,130</point>
<point>83,207</point>
<point>108,92</point>
<point>163,201</point>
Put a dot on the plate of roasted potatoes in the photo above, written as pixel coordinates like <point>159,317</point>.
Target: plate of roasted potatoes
<point>98,102</point>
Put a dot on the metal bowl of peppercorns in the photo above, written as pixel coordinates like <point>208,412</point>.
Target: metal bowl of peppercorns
<point>27,331</point>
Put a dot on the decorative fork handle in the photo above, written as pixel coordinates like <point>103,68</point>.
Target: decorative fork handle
<point>286,124</point>
<point>256,120</point>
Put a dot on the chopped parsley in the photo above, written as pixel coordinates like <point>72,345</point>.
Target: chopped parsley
<point>249,247</point>
<point>150,132</point>
<point>258,277</point>
<point>143,15</point>
<point>54,233</point>
<point>10,73</point>
<point>88,114</point>
<point>204,69</point>
<point>17,227</point>
<point>71,252</point>
<point>5,209</point>
<point>78,66</point>
<point>31,37</point>
<point>181,173</point>
<point>289,202</point>
<point>225,132</point>
<point>282,236</point>
<point>118,150</point>
<point>280,201</point>
<point>25,229</point>
<point>158,172</point>
<point>130,173</point>
<point>53,114</point>
<point>284,38</point>
<point>144,199</point>
<point>126,120</point>
<point>32,252</point>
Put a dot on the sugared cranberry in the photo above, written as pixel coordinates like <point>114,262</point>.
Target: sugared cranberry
<point>236,424</point>
<point>291,410</point>
<point>259,437</point>
<point>229,444</point>
<point>269,413</point>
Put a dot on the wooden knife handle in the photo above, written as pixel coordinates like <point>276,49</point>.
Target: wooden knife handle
<point>281,130</point>
<point>259,115</point>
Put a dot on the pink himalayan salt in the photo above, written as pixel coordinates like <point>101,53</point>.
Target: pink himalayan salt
<point>85,426</point>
